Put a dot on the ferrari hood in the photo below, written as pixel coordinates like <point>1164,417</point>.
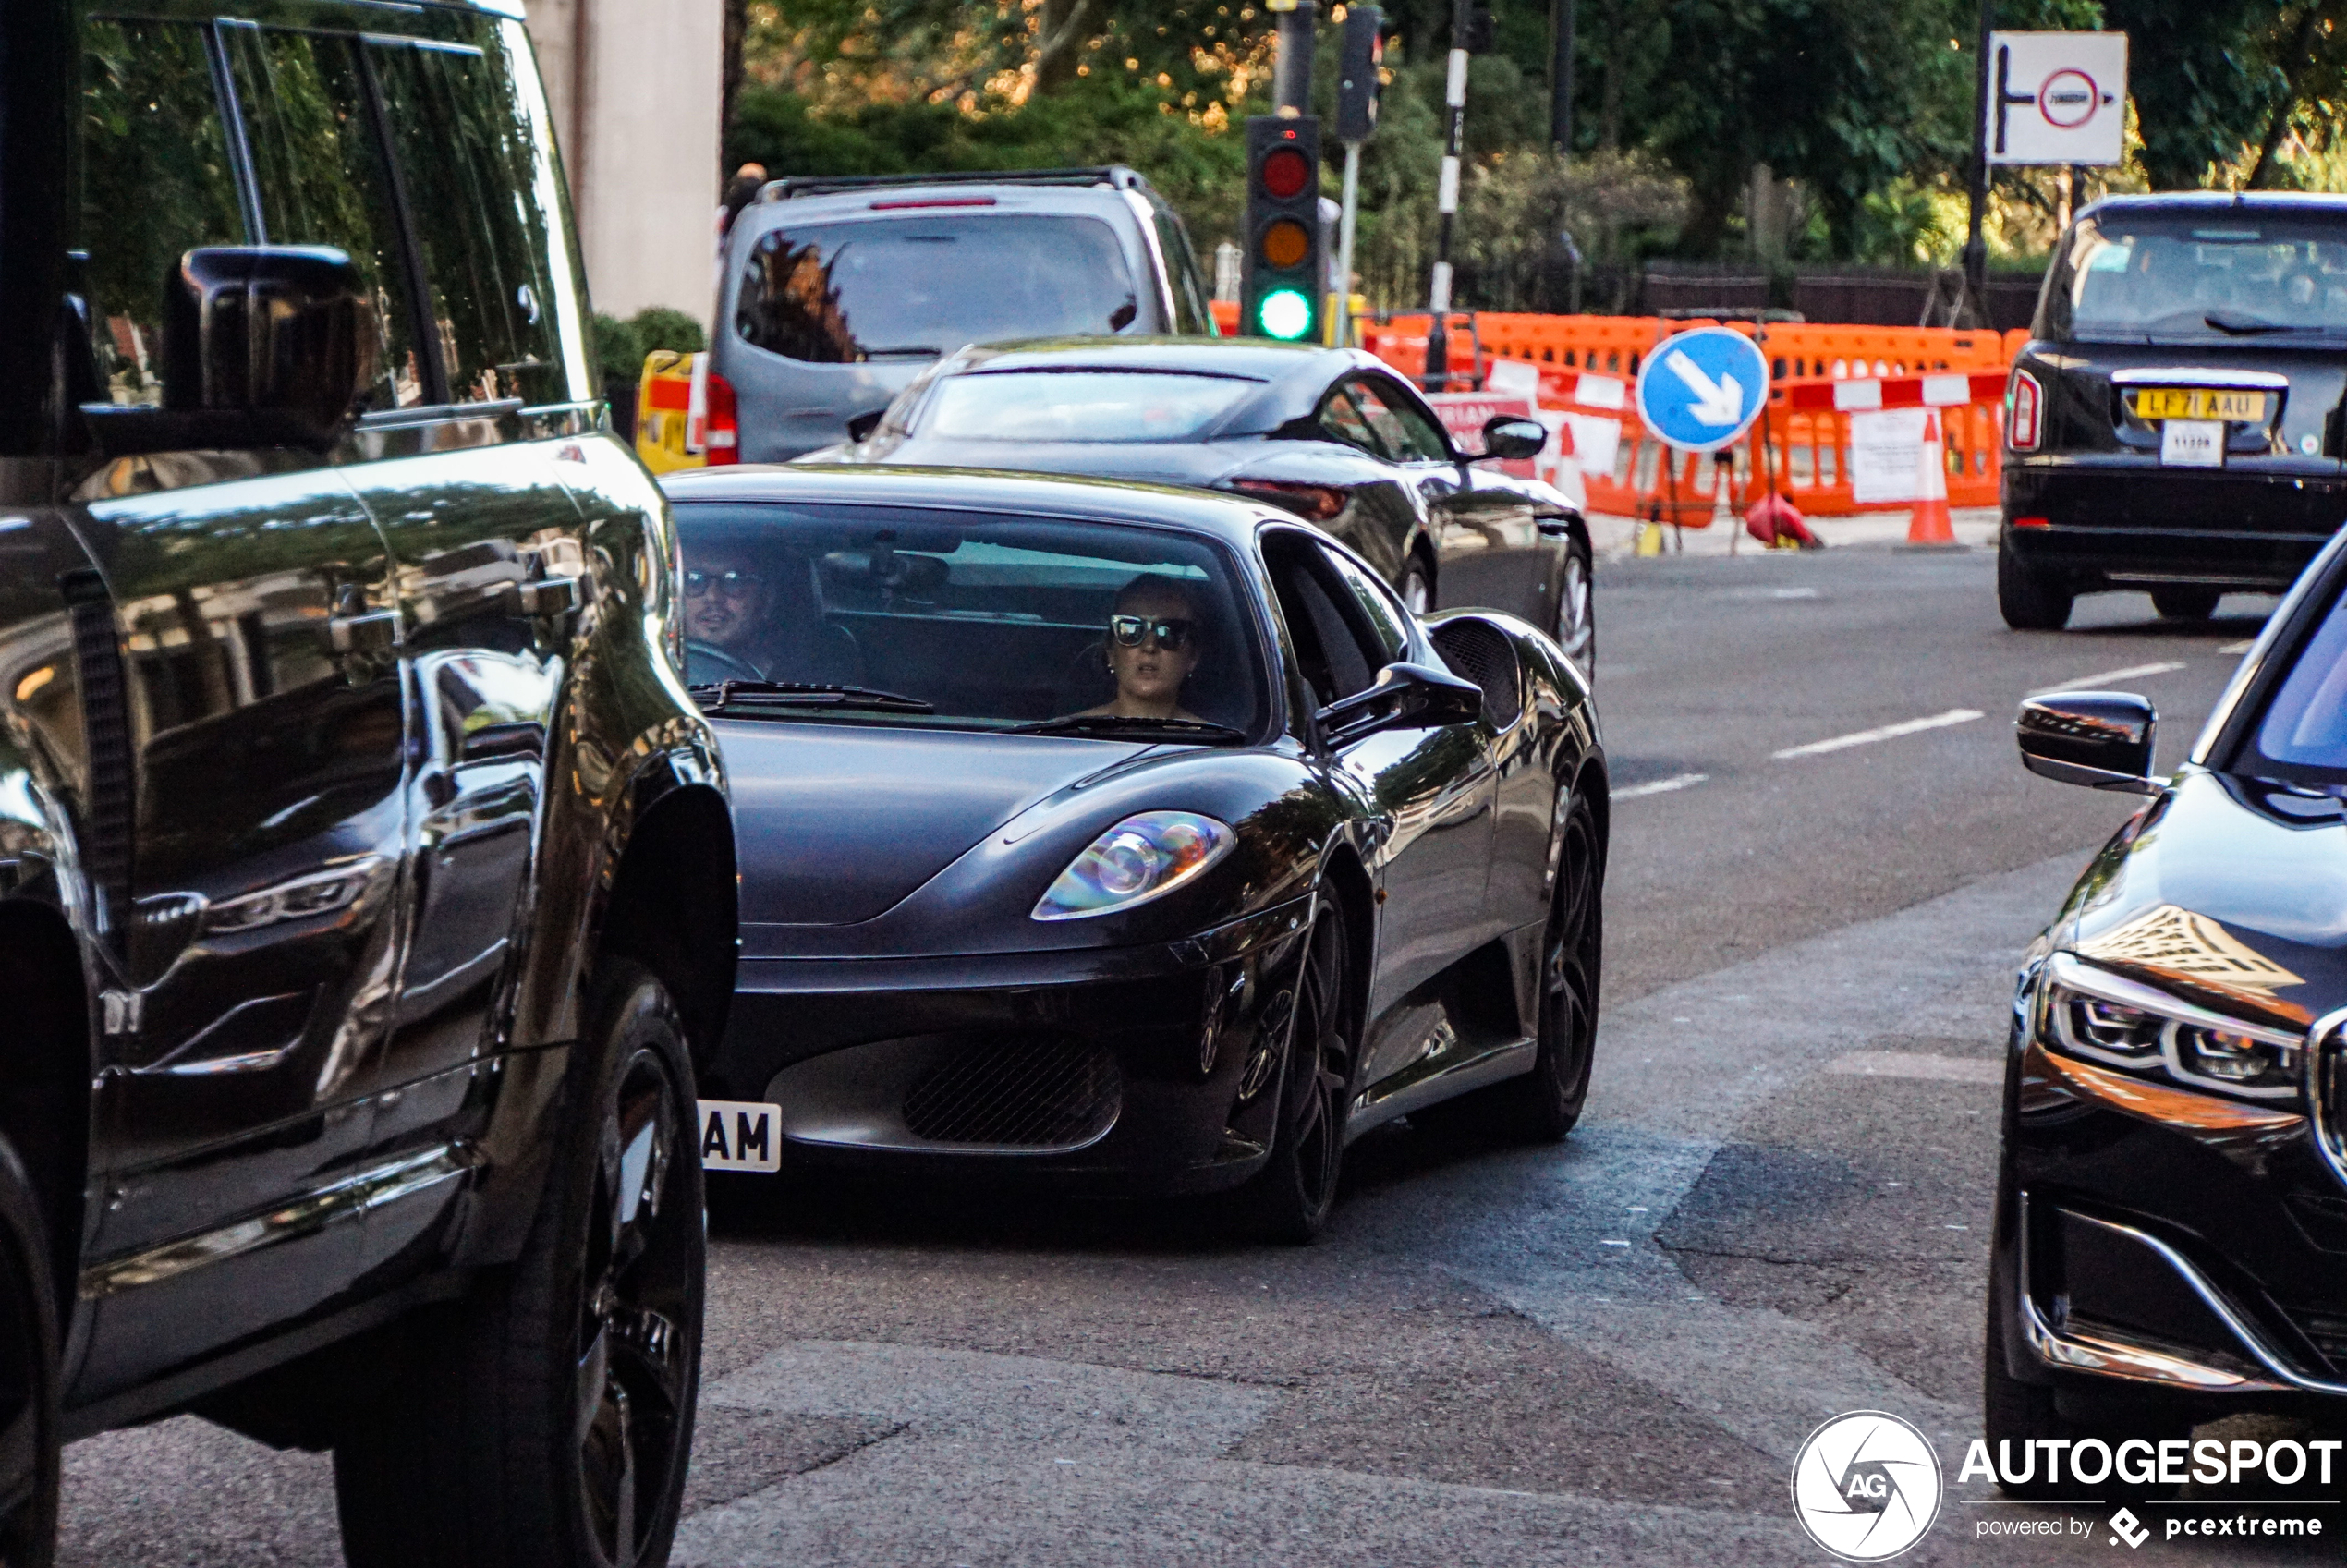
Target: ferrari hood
<point>834,823</point>
<point>2227,890</point>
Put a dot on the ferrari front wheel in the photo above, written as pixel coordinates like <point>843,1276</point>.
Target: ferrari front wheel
<point>1290,1199</point>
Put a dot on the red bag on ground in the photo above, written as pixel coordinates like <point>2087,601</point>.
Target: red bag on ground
<point>1777,522</point>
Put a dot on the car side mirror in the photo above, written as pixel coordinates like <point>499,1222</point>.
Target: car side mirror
<point>262,346</point>
<point>2101,739</point>
<point>1510,436</point>
<point>1404,696</point>
<point>861,426</point>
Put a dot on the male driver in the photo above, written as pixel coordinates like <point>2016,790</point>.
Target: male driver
<point>726,612</point>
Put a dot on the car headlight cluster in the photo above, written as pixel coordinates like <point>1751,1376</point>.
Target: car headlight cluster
<point>2086,1011</point>
<point>1140,858</point>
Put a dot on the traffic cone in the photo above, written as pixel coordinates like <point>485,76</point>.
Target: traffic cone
<point>1931,524</point>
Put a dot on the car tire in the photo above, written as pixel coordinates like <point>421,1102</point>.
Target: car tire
<point>2184,602</point>
<point>1543,1105</point>
<point>548,1418</point>
<point>29,1439</point>
<point>1289,1200</point>
<point>1417,587</point>
<point>1576,618</point>
<point>2028,599</point>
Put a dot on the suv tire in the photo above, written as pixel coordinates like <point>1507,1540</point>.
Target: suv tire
<point>547,1418</point>
<point>29,1446</point>
<point>2185,603</point>
<point>2028,599</point>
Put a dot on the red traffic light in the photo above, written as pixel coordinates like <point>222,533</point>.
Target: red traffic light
<point>1286,172</point>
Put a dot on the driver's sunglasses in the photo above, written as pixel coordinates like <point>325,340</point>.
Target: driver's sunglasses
<point>1171,635</point>
<point>733,585</point>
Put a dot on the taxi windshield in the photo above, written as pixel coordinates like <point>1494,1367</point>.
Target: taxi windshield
<point>965,620</point>
<point>2219,277</point>
<point>1078,405</point>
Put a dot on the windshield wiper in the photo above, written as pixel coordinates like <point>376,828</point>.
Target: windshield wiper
<point>2243,326</point>
<point>902,352</point>
<point>717,695</point>
<point>1124,726</point>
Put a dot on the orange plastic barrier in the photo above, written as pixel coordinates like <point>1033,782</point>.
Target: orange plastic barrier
<point>1806,450</point>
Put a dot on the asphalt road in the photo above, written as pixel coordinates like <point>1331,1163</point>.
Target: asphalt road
<point>1775,1210</point>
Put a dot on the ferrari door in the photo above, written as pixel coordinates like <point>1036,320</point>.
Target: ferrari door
<point>1429,788</point>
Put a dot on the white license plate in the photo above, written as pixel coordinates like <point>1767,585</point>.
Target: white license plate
<point>2192,444</point>
<point>737,1134</point>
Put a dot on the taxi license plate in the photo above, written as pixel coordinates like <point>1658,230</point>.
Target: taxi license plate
<point>740,1136</point>
<point>2153,403</point>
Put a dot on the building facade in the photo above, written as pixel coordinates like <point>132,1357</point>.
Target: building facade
<point>635,87</point>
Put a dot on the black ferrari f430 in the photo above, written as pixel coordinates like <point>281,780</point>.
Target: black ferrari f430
<point>1128,838</point>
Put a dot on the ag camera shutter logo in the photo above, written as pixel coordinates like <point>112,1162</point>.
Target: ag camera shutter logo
<point>1865,1485</point>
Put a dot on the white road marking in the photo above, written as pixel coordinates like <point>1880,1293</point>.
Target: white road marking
<point>2133,672</point>
<point>1921,1064</point>
<point>2243,646</point>
<point>1661,786</point>
<point>1885,732</point>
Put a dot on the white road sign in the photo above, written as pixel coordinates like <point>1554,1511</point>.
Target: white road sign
<point>2056,97</point>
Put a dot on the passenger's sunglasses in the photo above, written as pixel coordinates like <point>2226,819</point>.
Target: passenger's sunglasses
<point>733,585</point>
<point>1130,630</point>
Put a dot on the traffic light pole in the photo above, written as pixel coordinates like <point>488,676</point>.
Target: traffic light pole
<point>1438,336</point>
<point>1292,68</point>
<point>1975,249</point>
<point>1344,246</point>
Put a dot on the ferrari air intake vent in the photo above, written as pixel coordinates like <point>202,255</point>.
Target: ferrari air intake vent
<point>1481,653</point>
<point>1022,1090</point>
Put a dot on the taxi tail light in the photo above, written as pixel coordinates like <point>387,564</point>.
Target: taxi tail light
<point>2033,522</point>
<point>2026,412</point>
<point>1318,502</point>
<point>721,430</point>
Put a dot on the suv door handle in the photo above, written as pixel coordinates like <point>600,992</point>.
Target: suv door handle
<point>369,631</point>
<point>546,596</point>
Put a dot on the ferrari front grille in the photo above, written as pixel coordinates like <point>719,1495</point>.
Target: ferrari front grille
<point>1019,1090</point>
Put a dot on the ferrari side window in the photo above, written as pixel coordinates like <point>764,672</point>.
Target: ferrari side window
<point>1407,435</point>
<point>1377,605</point>
<point>1341,421</point>
<point>1336,659</point>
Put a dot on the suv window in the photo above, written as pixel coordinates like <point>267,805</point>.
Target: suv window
<point>156,181</point>
<point>917,287</point>
<point>463,162</point>
<point>321,177</point>
<point>1192,313</point>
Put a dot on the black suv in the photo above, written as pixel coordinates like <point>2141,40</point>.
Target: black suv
<point>366,875</point>
<point>2175,422</point>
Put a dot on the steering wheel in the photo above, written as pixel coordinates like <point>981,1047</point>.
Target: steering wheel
<point>731,666</point>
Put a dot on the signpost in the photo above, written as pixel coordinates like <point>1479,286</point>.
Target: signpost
<point>2056,98</point>
<point>1701,390</point>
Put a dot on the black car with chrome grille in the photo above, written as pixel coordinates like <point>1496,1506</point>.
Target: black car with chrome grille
<point>2174,423</point>
<point>2172,1224</point>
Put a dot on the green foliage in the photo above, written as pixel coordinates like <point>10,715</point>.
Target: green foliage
<point>657,326</point>
<point>619,354</point>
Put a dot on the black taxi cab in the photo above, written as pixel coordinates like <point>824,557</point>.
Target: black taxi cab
<point>2174,424</point>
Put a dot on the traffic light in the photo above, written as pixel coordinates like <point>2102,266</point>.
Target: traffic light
<point>1281,290</point>
<point>1360,50</point>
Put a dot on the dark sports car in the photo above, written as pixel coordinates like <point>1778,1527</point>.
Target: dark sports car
<point>1330,434</point>
<point>2172,1226</point>
<point>1128,837</point>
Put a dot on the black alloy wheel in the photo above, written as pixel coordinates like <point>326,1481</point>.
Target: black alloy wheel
<point>1572,958</point>
<point>548,1420</point>
<point>28,1440</point>
<point>2029,601</point>
<point>1576,628</point>
<point>2185,602</point>
<point>1290,1199</point>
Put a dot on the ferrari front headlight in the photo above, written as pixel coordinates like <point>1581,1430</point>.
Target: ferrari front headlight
<point>2088,1011</point>
<point>1140,858</point>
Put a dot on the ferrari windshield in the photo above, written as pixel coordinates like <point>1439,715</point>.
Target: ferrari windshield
<point>1078,405</point>
<point>2221,276</point>
<point>878,614</point>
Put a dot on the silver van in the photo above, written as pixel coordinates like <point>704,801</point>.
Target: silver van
<point>835,291</point>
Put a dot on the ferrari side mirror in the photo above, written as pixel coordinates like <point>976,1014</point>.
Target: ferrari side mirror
<point>1404,696</point>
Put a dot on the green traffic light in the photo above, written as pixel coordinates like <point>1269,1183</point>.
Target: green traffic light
<point>1285,315</point>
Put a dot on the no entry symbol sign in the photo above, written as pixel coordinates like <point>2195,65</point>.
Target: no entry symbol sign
<point>2057,97</point>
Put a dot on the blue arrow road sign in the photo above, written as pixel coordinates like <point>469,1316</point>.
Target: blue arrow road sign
<point>1701,390</point>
